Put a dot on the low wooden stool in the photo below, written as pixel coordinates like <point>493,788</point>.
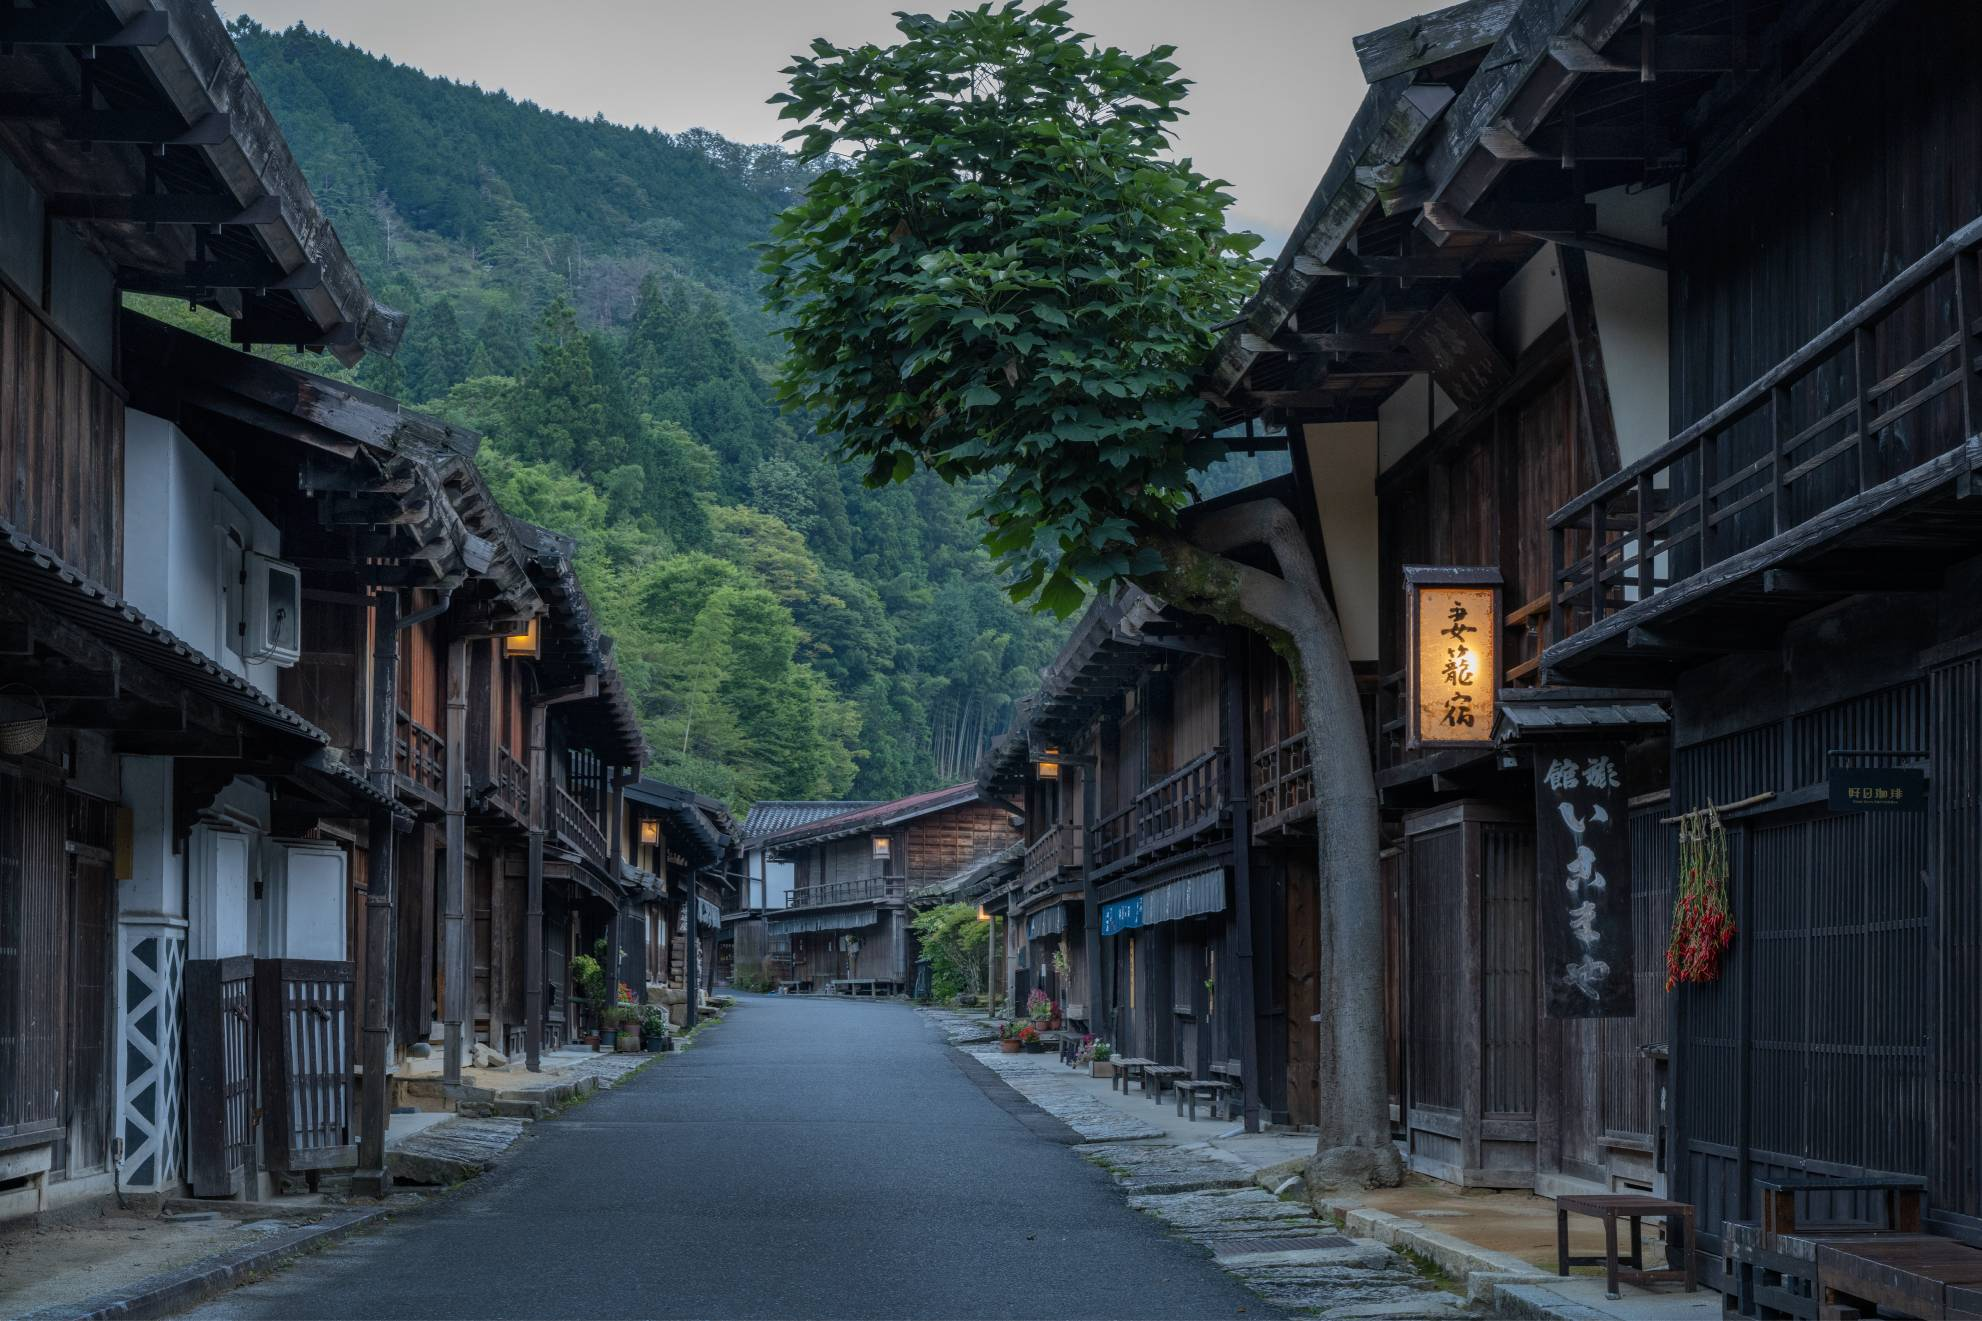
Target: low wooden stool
<point>1634,1207</point>
<point>1126,1068</point>
<point>1161,1075</point>
<point>1190,1089</point>
<point>1911,1274</point>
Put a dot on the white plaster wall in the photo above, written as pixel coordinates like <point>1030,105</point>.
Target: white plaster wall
<point>1343,457</point>
<point>176,498</point>
<point>219,893</point>
<point>156,885</point>
<point>1408,416</point>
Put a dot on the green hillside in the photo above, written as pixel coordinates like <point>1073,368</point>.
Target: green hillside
<point>584,294</point>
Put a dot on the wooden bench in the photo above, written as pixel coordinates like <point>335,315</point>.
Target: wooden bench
<point>1634,1207</point>
<point>1878,1274</point>
<point>1190,1089</point>
<point>1163,1075</point>
<point>1770,1265</point>
<point>1230,1101</point>
<point>1127,1067</point>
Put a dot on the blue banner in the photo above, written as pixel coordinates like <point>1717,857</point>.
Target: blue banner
<point>1122,915</point>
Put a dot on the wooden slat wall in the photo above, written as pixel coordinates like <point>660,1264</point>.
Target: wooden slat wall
<point>1956,1167</point>
<point>1879,161</point>
<point>33,954</point>
<point>941,845</point>
<point>1507,961</point>
<point>1196,703</point>
<point>326,684</point>
<point>1437,962</point>
<point>61,446</point>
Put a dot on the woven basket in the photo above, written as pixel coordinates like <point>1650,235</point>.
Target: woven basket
<point>23,736</point>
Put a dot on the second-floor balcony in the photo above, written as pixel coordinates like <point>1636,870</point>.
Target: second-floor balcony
<point>1055,857</point>
<point>578,828</point>
<point>1182,808</point>
<point>510,788</point>
<point>867,889</point>
<point>1837,471</point>
<point>420,757</point>
<point>1282,784</point>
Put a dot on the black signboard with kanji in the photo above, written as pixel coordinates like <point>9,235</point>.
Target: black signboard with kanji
<point>1878,789</point>
<point>1583,880</point>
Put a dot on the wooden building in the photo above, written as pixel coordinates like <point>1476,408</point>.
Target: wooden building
<point>1144,866</point>
<point>1662,312</point>
<point>847,919</point>
<point>168,815</point>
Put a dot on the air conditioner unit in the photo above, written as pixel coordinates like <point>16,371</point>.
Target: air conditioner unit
<point>275,610</point>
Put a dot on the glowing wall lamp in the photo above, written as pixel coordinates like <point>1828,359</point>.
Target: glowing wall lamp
<point>650,831</point>
<point>527,645</point>
<point>1453,652</point>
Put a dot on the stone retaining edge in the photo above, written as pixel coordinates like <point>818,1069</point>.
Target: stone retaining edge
<point>1488,1276</point>
<point>176,1290</point>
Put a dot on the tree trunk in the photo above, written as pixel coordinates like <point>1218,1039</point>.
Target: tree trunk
<point>1293,612</point>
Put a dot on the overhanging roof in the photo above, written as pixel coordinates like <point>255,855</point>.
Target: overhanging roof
<point>770,816</point>
<point>791,924</point>
<point>160,151</point>
<point>876,818</point>
<point>699,826</point>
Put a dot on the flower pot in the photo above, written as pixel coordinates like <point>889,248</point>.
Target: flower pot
<point>1053,1023</point>
<point>629,1041</point>
<point>1035,1048</point>
<point>1102,1068</point>
<point>1009,1046</point>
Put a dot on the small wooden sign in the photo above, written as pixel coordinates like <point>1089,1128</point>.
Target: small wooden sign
<point>1878,789</point>
<point>1583,880</point>
<point>1453,656</point>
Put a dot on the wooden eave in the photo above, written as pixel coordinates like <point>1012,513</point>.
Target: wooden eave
<point>573,649</point>
<point>386,483</point>
<point>264,253</point>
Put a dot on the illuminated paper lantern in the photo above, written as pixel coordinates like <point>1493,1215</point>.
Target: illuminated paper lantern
<point>1452,655</point>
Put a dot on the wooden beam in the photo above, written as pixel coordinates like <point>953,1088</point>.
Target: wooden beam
<point>1586,361</point>
<point>150,130</point>
<point>1511,216</point>
<point>164,209</point>
<point>1429,38</point>
<point>1458,354</point>
<point>262,329</point>
<point>1416,266</point>
<point>81,26</point>
<point>1604,246</point>
<point>1676,54</point>
<point>1568,146</point>
<point>1318,343</point>
<point>199,277</point>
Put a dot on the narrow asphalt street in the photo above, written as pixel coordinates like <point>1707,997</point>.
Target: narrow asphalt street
<point>808,1158</point>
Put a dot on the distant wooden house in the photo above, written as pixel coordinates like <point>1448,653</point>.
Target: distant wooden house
<point>847,918</point>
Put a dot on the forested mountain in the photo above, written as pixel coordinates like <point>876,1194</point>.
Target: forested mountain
<point>584,294</point>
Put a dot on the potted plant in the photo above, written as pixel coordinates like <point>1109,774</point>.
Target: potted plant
<point>1029,1040</point>
<point>653,1028</point>
<point>1039,1007</point>
<point>1101,1060</point>
<point>1008,1038</point>
<point>590,980</point>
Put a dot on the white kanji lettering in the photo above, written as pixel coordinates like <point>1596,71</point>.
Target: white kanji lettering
<point>1562,775</point>
<point>1601,773</point>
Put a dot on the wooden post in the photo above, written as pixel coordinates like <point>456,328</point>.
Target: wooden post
<point>1586,360</point>
<point>614,782</point>
<point>1090,895</point>
<point>457,973</point>
<point>372,1178</point>
<point>533,899</point>
<point>691,929</point>
<point>1239,804</point>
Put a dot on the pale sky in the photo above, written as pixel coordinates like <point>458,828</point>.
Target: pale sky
<point>1276,79</point>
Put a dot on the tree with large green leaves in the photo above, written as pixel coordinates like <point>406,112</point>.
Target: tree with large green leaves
<point>1001,274</point>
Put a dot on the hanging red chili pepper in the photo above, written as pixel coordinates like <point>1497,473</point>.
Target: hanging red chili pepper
<point>1702,921</point>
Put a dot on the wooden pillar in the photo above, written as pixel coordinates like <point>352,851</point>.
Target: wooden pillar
<point>371,1178</point>
<point>615,782</point>
<point>533,899</point>
<point>1090,899</point>
<point>691,929</point>
<point>1240,802</point>
<point>457,972</point>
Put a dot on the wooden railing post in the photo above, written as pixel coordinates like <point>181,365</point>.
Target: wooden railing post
<point>1644,534</point>
<point>1967,306</point>
<point>1558,599</point>
<point>1704,517</point>
<point>1862,368</point>
<point>1596,558</point>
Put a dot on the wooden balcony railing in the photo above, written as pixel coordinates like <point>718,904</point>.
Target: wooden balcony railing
<point>1283,783</point>
<point>512,785</point>
<point>1855,414</point>
<point>570,819</point>
<point>848,892</point>
<point>420,755</point>
<point>1187,803</point>
<point>1051,857</point>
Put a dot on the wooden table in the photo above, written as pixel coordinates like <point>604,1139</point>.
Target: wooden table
<point>1908,1273</point>
<point>1608,1207</point>
<point>1161,1074</point>
<point>1211,1089</point>
<point>1126,1067</point>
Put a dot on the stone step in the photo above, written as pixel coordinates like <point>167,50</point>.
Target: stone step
<point>448,1153</point>
<point>517,1109</point>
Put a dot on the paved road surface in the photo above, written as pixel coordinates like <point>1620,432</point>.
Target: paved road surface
<point>809,1158</point>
